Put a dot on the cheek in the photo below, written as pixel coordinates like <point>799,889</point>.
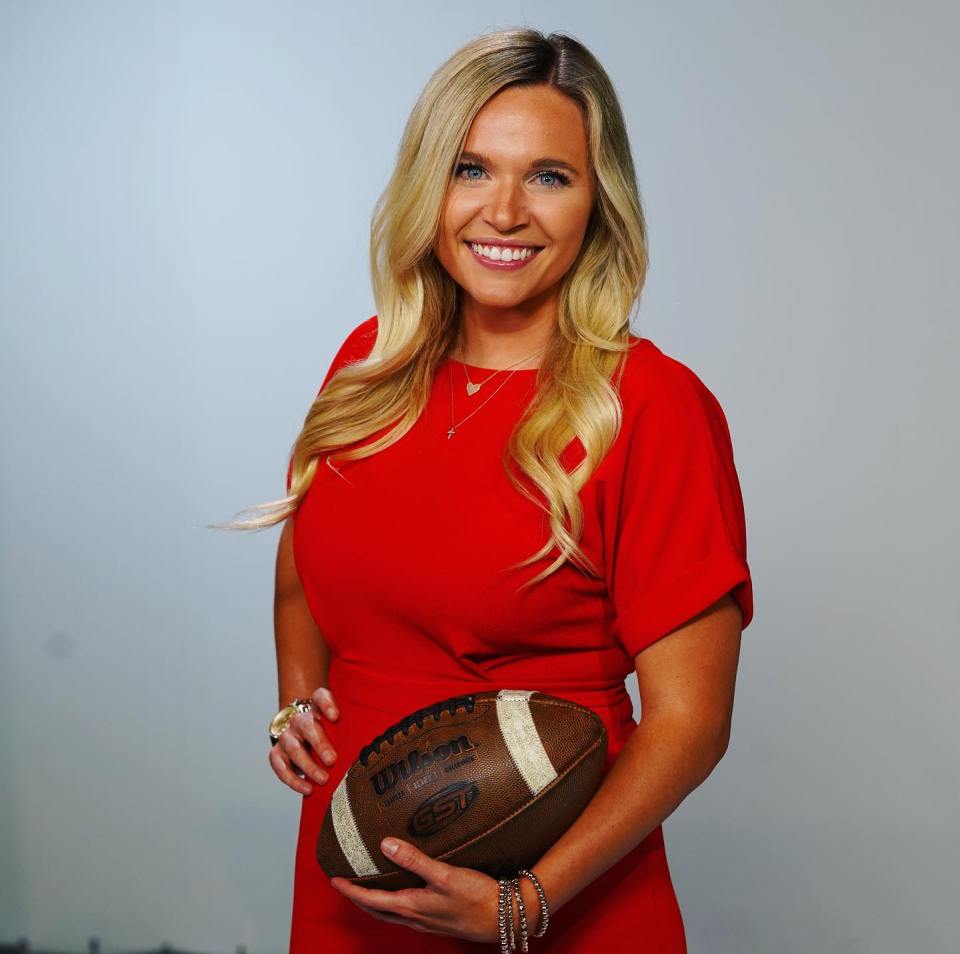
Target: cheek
<point>457,213</point>
<point>447,238</point>
<point>567,230</point>
<point>569,223</point>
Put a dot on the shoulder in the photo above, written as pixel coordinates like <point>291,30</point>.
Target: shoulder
<point>655,386</point>
<point>356,346</point>
<point>359,341</point>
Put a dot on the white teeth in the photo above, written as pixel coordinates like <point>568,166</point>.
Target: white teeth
<point>499,253</point>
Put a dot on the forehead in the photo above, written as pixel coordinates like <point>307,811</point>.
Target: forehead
<point>520,122</point>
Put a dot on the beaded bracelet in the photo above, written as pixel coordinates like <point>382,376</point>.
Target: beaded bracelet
<point>505,917</point>
<point>510,888</point>
<point>544,909</point>
<point>515,886</point>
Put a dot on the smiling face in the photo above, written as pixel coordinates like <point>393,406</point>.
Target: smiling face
<point>522,187</point>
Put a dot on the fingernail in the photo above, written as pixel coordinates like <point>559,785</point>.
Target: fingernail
<point>328,757</point>
<point>390,846</point>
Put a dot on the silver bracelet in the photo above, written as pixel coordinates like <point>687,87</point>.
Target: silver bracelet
<point>515,885</point>
<point>544,908</point>
<point>507,940</point>
<point>510,887</point>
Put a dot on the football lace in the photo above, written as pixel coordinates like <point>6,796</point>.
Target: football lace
<point>418,718</point>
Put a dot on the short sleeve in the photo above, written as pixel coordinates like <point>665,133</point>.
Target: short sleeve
<point>355,346</point>
<point>680,538</point>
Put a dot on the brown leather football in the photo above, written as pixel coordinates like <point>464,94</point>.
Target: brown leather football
<point>487,781</point>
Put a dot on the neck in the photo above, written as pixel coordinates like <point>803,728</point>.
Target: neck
<point>520,349</point>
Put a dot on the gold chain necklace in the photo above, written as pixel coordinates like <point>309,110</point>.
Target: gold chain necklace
<point>453,426</point>
<point>473,388</point>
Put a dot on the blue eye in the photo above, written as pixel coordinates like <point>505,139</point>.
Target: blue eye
<point>468,165</point>
<point>556,173</point>
<point>561,178</point>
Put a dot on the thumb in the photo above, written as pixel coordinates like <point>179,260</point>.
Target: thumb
<point>324,701</point>
<point>413,859</point>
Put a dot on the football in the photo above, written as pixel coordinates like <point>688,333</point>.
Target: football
<point>487,781</point>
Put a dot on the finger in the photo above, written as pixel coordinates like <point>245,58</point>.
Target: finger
<point>281,768</point>
<point>299,755</point>
<point>307,727</point>
<point>324,701</point>
<point>383,916</point>
<point>435,873</point>
<point>375,901</point>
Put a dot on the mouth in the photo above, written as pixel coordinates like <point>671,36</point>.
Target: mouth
<point>513,257</point>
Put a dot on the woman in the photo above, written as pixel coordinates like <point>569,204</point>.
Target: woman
<point>499,486</point>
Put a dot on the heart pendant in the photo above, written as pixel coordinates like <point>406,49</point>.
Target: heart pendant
<point>472,388</point>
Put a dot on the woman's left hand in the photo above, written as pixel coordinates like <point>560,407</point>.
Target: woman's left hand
<point>459,902</point>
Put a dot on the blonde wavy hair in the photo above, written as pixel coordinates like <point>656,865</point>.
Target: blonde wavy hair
<point>417,300</point>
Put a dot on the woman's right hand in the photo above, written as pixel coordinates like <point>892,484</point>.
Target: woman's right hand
<point>301,741</point>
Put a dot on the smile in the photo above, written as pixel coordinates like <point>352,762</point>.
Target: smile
<point>501,257</point>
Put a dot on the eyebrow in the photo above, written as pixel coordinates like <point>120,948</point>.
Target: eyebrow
<point>537,163</point>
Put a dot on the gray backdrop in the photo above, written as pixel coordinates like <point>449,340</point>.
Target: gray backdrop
<point>185,194</point>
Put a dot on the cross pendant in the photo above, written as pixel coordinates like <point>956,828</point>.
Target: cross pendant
<point>450,433</point>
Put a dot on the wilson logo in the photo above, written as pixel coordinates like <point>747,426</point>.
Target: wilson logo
<point>416,763</point>
<point>443,808</point>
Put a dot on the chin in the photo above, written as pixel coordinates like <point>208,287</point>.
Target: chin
<point>492,300</point>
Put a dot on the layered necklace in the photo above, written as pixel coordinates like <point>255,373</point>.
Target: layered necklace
<point>473,387</point>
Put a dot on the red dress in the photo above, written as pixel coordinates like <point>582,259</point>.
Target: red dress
<point>402,560</point>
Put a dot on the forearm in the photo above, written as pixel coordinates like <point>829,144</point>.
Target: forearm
<point>660,764</point>
<point>303,659</point>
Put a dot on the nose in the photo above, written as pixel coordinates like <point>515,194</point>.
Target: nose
<point>507,206</point>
